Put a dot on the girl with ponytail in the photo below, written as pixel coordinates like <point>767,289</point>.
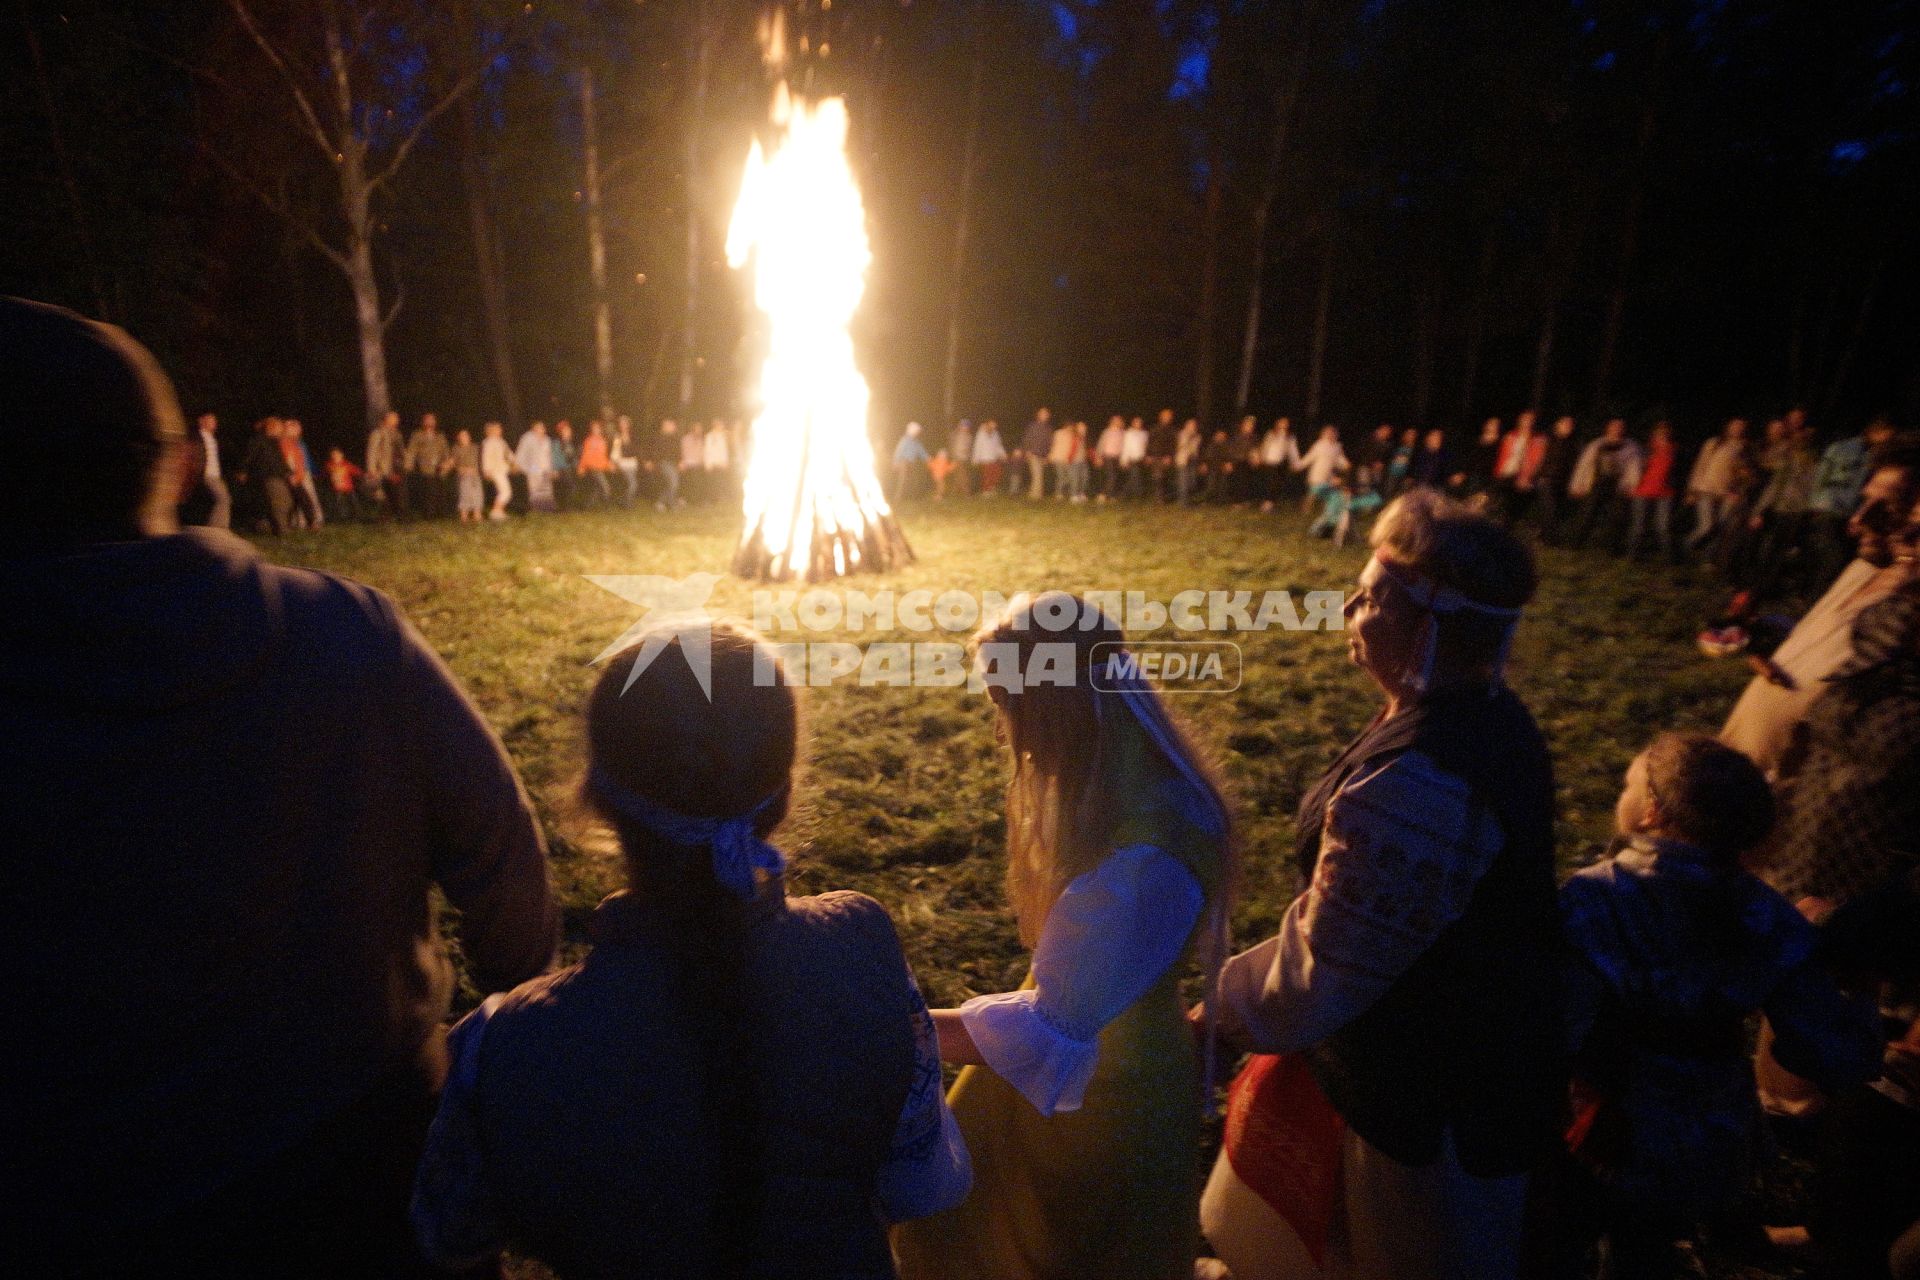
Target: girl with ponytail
<point>733,1083</point>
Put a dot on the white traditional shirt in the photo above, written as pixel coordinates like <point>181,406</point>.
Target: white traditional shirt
<point>1322,462</point>
<point>1133,446</point>
<point>715,451</point>
<point>1401,854</point>
<point>1112,934</point>
<point>535,454</point>
<point>1112,441</point>
<point>1280,447</point>
<point>1763,721</point>
<point>494,458</point>
<point>988,447</point>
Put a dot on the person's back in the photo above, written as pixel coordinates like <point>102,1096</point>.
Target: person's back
<point>1672,948</point>
<point>730,1083</point>
<point>229,786</point>
<point>590,1094</point>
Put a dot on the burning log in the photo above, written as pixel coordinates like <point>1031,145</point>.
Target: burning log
<point>812,502</point>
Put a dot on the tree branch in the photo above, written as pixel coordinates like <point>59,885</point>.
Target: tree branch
<point>315,130</point>
<point>275,206</point>
<point>466,84</point>
<point>399,300</point>
<point>460,90</point>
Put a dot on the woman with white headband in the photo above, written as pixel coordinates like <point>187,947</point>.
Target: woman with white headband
<point>732,1082</point>
<point>1406,1018</point>
<point>1081,1097</point>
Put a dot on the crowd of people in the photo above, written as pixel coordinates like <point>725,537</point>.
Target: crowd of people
<point>233,786</point>
<point>425,474</point>
<point>1769,507</point>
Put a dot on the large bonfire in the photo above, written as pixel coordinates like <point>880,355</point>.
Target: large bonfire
<point>813,504</point>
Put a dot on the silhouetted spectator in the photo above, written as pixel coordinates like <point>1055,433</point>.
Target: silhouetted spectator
<point>229,788</point>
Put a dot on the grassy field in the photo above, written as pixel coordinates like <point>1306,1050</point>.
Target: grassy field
<point>901,795</point>
<point>902,791</point>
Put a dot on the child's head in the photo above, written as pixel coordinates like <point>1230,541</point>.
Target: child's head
<point>1696,790</point>
<point>334,455</point>
<point>657,740</point>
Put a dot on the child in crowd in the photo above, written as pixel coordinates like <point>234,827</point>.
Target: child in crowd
<point>940,466</point>
<point>1343,500</point>
<point>1672,948</point>
<point>466,470</point>
<point>732,1082</point>
<point>343,485</point>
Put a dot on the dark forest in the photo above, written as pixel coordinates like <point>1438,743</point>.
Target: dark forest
<point>1337,209</point>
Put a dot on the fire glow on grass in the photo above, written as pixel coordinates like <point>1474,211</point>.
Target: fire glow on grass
<point>813,506</point>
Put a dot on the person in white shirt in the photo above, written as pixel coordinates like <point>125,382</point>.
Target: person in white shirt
<point>1080,1102</point>
<point>1279,458</point>
<point>990,457</point>
<point>221,514</point>
<point>534,457</point>
<point>1765,722</point>
<point>1710,483</point>
<point>1325,460</point>
<point>1406,1016</point>
<point>496,467</point>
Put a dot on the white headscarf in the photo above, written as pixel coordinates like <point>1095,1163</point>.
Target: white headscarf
<point>1437,600</point>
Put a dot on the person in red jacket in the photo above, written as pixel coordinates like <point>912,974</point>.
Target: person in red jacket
<point>1653,495</point>
<point>1517,468</point>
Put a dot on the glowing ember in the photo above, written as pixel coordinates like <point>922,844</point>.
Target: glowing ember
<point>813,504</point>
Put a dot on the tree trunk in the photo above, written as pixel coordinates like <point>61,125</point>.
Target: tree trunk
<point>63,163</point>
<point>1862,316</point>
<point>1322,313</point>
<point>597,251</point>
<point>356,205</point>
<point>1617,295</point>
<point>489,259</point>
<point>1426,322</point>
<point>368,320</point>
<point>1476,327</point>
<point>1283,107</point>
<point>1630,216</point>
<point>1562,245</point>
<point>1797,344</point>
<point>957,289</point>
<point>1209,300</point>
<point>1543,353</point>
<point>696,113</point>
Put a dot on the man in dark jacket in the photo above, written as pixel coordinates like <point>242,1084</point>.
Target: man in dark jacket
<point>265,468</point>
<point>229,788</point>
<point>1035,443</point>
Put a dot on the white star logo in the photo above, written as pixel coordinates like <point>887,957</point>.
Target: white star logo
<point>675,609</point>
